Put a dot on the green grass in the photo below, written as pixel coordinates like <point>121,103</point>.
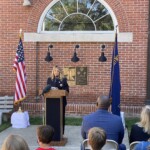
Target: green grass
<point>130,121</point>
<point>73,121</point>
<point>4,126</point>
<point>69,121</point>
<point>77,121</point>
<point>36,121</point>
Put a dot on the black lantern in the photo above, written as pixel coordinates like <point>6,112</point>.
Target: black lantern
<point>49,58</point>
<point>102,58</point>
<point>75,57</point>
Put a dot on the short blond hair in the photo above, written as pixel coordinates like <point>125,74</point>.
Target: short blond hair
<point>97,138</point>
<point>14,142</point>
<point>145,119</point>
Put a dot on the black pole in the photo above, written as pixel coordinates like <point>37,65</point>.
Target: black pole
<point>37,71</point>
<point>148,62</point>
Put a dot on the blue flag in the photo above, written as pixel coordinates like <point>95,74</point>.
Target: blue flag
<point>115,86</point>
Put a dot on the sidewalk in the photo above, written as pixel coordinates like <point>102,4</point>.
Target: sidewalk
<point>71,132</point>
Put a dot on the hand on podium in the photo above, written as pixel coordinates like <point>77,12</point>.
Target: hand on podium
<point>46,89</point>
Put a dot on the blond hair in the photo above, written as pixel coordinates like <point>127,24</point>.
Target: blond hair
<point>97,138</point>
<point>59,70</point>
<point>14,142</point>
<point>145,119</point>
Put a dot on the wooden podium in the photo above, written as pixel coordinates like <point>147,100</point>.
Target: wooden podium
<point>54,111</point>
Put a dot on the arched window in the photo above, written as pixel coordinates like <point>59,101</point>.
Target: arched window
<point>77,15</point>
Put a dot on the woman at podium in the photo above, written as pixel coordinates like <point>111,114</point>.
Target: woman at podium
<point>57,81</point>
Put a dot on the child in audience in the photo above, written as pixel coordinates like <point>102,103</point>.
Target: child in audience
<point>97,138</point>
<point>45,134</point>
<point>14,142</point>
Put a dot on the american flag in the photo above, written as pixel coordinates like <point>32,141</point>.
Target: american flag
<point>19,66</point>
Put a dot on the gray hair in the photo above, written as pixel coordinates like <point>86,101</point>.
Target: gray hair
<point>103,102</point>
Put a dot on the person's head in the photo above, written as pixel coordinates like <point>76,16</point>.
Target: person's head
<point>14,142</point>
<point>56,72</point>
<point>103,102</point>
<point>145,119</point>
<point>97,138</point>
<point>45,134</point>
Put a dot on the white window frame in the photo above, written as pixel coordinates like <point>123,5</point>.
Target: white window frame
<point>77,36</point>
<point>115,22</point>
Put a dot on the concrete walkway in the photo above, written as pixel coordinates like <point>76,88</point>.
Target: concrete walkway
<point>71,132</point>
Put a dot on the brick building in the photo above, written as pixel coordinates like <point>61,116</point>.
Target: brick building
<point>131,16</point>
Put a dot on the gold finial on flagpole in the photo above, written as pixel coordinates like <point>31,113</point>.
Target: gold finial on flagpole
<point>20,33</point>
<point>19,110</point>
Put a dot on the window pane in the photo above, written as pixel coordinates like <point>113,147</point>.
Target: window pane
<point>97,11</point>
<point>57,11</point>
<point>77,22</point>
<point>50,25</point>
<point>84,5</point>
<point>91,16</point>
<point>70,6</point>
<point>105,23</point>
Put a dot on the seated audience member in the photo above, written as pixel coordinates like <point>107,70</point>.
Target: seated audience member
<point>14,142</point>
<point>97,138</point>
<point>141,130</point>
<point>45,134</point>
<point>144,145</point>
<point>112,124</point>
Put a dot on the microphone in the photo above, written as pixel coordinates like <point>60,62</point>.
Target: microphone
<point>46,89</point>
<point>56,79</point>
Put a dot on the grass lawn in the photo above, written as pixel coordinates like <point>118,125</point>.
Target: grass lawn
<point>130,121</point>
<point>4,126</point>
<point>69,121</point>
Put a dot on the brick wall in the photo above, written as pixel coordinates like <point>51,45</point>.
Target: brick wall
<point>132,16</point>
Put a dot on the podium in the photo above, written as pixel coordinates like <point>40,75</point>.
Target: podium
<point>54,111</point>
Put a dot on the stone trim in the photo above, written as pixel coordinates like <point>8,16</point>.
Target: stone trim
<point>77,37</point>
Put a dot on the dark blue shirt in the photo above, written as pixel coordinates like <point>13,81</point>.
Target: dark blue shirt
<point>111,123</point>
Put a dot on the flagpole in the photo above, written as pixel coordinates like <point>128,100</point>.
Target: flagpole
<point>19,104</point>
<point>112,69</point>
<point>112,62</point>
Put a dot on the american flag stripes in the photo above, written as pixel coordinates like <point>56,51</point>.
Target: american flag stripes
<point>19,66</point>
